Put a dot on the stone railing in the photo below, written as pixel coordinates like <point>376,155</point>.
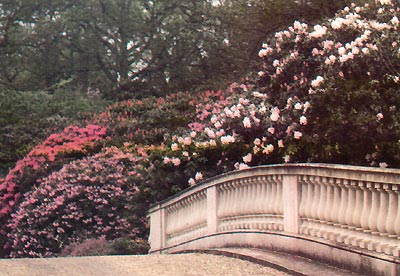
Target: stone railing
<point>352,209</point>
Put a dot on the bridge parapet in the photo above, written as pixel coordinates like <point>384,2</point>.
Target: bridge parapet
<point>292,208</point>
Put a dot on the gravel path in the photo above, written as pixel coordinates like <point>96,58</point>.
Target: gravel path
<point>145,265</point>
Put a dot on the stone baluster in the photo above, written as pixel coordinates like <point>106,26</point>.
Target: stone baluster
<point>329,218</point>
<point>269,198</point>
<point>273,197</point>
<point>383,210</point>
<point>366,209</point>
<point>340,234</point>
<point>173,219</point>
<point>244,196</point>
<point>168,224</point>
<point>237,197</point>
<point>314,203</point>
<point>334,212</point>
<point>191,216</point>
<point>258,195</point>
<point>316,197</point>
<point>255,199</point>
<point>331,208</point>
<point>397,219</point>
<point>230,198</point>
<point>303,204</point>
<point>392,212</point>
<point>343,204</point>
<point>303,198</point>
<point>280,202</point>
<point>372,220</point>
<point>308,202</point>
<point>247,201</point>
<point>323,207</point>
<point>196,209</point>
<point>181,216</point>
<point>279,196</point>
<point>170,220</point>
<point>221,201</point>
<point>324,200</point>
<point>262,201</point>
<point>359,204</point>
<point>310,193</point>
<point>351,204</point>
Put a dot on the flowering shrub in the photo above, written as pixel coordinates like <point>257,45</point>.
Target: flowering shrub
<point>91,247</point>
<point>57,149</point>
<point>335,85</point>
<point>147,121</point>
<point>86,199</point>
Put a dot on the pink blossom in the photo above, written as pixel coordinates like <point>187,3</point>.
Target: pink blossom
<point>297,135</point>
<point>198,176</point>
<point>275,114</point>
<point>246,122</point>
<point>271,130</point>
<point>318,80</point>
<point>247,158</point>
<point>303,120</point>
<point>268,149</point>
<point>191,182</point>
<point>286,158</point>
<point>228,139</point>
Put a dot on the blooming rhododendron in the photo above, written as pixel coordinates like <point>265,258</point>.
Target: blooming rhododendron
<point>85,199</point>
<point>73,140</point>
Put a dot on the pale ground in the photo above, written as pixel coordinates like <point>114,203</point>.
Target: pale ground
<point>146,265</point>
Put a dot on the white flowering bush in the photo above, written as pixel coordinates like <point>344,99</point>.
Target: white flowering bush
<point>341,80</point>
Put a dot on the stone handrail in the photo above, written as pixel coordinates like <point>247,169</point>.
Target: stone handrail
<point>355,209</point>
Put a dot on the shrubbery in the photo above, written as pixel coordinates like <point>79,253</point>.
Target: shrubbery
<point>27,118</point>
<point>86,199</point>
<point>324,93</point>
<point>346,72</point>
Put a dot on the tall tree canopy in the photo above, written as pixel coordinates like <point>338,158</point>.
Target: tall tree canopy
<point>139,46</point>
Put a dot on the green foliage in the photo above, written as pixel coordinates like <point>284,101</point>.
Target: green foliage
<point>102,247</point>
<point>128,246</point>
<point>27,118</point>
<point>139,47</point>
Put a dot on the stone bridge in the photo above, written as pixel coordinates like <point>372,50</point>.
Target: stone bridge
<point>346,216</point>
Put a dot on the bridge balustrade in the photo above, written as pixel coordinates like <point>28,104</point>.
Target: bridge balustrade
<point>350,209</point>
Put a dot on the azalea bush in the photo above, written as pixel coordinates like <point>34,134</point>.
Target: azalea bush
<point>56,150</point>
<point>86,199</point>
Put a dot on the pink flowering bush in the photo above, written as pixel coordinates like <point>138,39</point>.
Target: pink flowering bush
<point>86,199</point>
<point>147,121</point>
<point>57,149</point>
